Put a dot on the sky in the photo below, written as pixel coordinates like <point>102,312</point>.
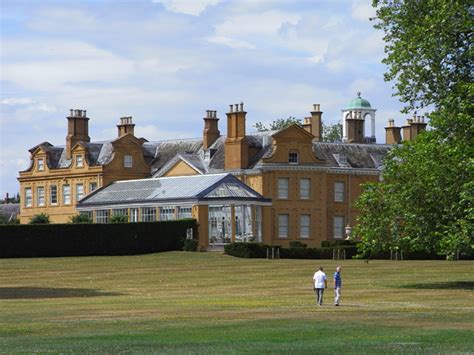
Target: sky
<point>165,62</point>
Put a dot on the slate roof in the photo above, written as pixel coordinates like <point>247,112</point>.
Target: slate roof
<point>161,155</point>
<point>177,188</point>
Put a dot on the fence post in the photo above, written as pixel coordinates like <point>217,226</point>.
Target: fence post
<point>273,253</point>
<point>268,253</point>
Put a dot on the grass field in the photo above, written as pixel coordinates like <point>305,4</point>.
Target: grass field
<point>180,302</point>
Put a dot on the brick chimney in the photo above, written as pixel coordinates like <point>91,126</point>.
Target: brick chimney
<point>126,126</point>
<point>211,130</point>
<point>392,133</point>
<point>355,127</point>
<point>413,127</point>
<point>314,124</point>
<point>236,145</point>
<point>77,130</point>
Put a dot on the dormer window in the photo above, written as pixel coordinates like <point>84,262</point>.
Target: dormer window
<point>127,161</point>
<point>293,157</point>
<point>79,161</point>
<point>40,164</point>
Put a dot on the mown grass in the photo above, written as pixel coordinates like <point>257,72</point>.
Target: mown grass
<point>182,302</point>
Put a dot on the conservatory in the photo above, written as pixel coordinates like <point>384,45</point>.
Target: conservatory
<point>227,210</point>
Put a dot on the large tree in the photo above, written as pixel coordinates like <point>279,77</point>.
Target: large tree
<point>425,201</point>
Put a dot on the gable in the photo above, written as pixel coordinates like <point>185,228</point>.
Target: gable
<point>181,169</point>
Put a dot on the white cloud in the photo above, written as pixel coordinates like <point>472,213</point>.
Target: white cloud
<point>362,10</point>
<point>189,7</point>
<point>231,42</point>
<point>67,19</point>
<point>17,101</point>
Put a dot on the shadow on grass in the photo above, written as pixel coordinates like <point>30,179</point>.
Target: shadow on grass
<point>457,285</point>
<point>10,293</point>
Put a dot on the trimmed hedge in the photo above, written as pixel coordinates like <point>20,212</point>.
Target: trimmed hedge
<point>92,239</point>
<point>256,250</point>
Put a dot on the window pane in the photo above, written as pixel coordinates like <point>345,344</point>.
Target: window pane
<point>28,197</point>
<point>293,157</point>
<point>338,227</point>
<point>79,161</point>
<point>258,224</point>
<point>185,212</point>
<point>102,216</point>
<point>53,194</point>
<point>305,185</point>
<point>133,214</point>
<point>283,184</point>
<point>283,220</point>
<point>339,191</point>
<point>305,220</point>
<point>167,213</point>
<point>66,194</point>
<point>127,161</point>
<point>92,186</point>
<point>40,164</point>
<point>120,212</point>
<point>40,196</point>
<point>79,192</point>
<point>148,214</point>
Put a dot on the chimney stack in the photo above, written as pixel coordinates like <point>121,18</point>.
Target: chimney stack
<point>211,130</point>
<point>392,133</point>
<point>355,127</point>
<point>314,124</point>
<point>413,127</point>
<point>77,129</point>
<point>236,145</point>
<point>126,126</point>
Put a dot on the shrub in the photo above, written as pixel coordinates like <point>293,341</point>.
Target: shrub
<point>118,218</point>
<point>81,218</point>
<point>297,244</point>
<point>190,245</point>
<point>246,250</point>
<point>40,218</point>
<point>337,243</point>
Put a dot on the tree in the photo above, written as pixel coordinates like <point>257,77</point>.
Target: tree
<point>80,218</point>
<point>40,218</point>
<point>425,201</point>
<point>118,218</point>
<point>332,132</point>
<point>277,124</point>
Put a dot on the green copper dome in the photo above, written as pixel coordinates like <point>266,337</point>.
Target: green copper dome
<point>358,103</point>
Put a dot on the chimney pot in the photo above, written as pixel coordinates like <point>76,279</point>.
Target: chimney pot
<point>85,113</point>
<point>241,106</point>
<point>316,107</point>
<point>71,112</point>
<point>236,107</point>
<point>231,108</point>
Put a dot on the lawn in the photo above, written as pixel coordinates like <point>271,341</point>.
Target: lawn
<point>180,302</point>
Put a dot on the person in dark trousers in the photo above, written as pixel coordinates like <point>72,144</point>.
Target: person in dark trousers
<point>319,283</point>
<point>337,286</point>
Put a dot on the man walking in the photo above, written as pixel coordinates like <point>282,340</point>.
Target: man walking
<point>337,286</point>
<point>320,283</point>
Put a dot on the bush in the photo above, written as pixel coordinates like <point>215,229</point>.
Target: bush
<point>190,245</point>
<point>92,239</point>
<point>118,218</point>
<point>80,218</point>
<point>337,243</point>
<point>247,250</point>
<point>41,218</point>
<point>297,244</point>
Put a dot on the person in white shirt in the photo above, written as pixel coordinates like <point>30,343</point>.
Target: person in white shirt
<point>320,283</point>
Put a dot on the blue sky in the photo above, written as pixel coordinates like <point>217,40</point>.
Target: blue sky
<point>165,62</point>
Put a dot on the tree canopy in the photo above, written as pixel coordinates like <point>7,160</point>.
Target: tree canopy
<point>426,198</point>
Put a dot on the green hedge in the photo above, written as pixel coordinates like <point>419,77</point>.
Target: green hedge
<point>92,239</point>
<point>255,250</point>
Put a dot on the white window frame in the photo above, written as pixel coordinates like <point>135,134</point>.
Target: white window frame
<point>305,226</point>
<point>339,191</point>
<point>338,227</point>
<point>283,188</point>
<point>66,194</point>
<point>167,213</point>
<point>40,164</point>
<point>120,212</point>
<point>40,197</point>
<point>293,157</point>
<point>148,214</point>
<point>79,161</point>
<point>79,191</point>
<point>305,191</point>
<point>53,196</point>
<point>283,225</point>
<point>92,186</point>
<point>28,197</point>
<point>102,216</point>
<point>133,215</point>
<point>185,212</point>
<point>128,161</point>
